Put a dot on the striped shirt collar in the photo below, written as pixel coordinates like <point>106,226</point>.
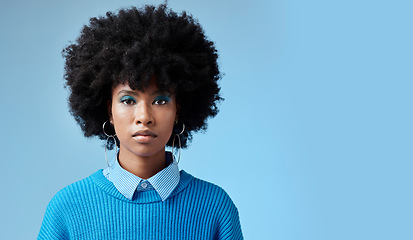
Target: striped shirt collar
<point>164,182</point>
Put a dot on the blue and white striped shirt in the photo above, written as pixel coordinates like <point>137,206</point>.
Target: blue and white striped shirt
<point>164,182</point>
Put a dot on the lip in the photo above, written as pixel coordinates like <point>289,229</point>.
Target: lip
<point>144,136</point>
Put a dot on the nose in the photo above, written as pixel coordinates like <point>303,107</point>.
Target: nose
<point>143,114</point>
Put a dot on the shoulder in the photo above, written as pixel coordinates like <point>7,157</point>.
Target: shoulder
<point>62,206</point>
<point>209,192</point>
<point>201,185</point>
<point>73,193</point>
<point>209,188</point>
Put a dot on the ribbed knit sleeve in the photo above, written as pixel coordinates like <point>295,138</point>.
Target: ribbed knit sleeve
<point>94,209</point>
<point>220,206</point>
<point>229,226</point>
<point>54,225</point>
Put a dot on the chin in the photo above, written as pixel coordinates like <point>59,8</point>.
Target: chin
<point>142,150</point>
<point>147,152</point>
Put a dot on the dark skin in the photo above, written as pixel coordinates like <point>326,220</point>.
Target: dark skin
<point>143,122</point>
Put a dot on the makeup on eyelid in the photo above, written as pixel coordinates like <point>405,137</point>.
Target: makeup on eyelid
<point>163,97</point>
<point>127,98</point>
<point>158,98</point>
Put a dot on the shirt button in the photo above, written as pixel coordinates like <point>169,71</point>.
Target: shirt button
<point>144,185</point>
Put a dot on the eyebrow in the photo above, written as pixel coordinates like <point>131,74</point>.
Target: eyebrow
<point>127,92</point>
<point>157,92</point>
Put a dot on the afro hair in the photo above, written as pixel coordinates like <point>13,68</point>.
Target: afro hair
<point>131,47</point>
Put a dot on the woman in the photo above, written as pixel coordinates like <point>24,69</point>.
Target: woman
<point>142,79</point>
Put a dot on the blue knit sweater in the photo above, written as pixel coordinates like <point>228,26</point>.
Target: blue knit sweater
<point>94,209</point>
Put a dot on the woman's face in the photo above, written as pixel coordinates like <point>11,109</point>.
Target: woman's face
<point>143,120</point>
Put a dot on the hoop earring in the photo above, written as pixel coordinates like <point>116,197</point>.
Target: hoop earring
<point>179,143</point>
<point>107,143</point>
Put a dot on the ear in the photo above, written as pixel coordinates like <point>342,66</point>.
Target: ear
<point>109,107</point>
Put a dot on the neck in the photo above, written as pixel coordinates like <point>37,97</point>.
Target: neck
<point>142,166</point>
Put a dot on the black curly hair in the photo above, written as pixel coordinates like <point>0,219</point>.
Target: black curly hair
<point>131,47</point>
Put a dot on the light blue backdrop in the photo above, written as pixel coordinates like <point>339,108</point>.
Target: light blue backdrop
<point>314,140</point>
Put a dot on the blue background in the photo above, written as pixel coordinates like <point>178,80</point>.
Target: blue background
<point>313,141</point>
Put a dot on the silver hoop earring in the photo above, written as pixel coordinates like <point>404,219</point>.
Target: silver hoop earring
<point>107,143</point>
<point>179,143</point>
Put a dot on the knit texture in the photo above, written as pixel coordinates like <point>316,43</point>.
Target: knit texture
<point>94,209</point>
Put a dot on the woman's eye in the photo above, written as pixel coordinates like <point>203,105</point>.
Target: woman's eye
<point>161,100</point>
<point>127,100</point>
